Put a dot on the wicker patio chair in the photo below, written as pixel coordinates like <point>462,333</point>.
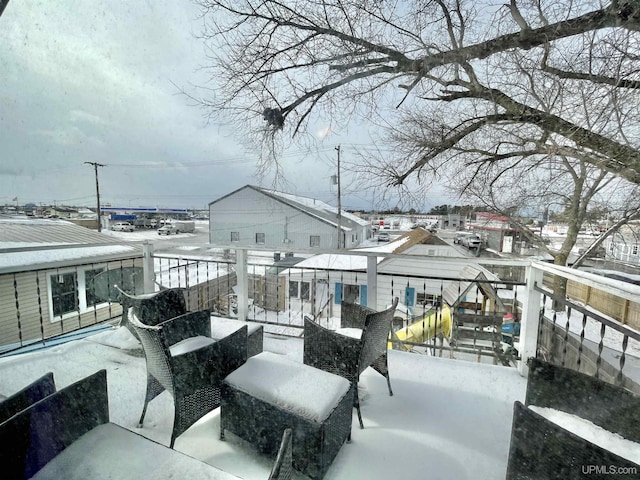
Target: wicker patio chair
<point>152,308</point>
<point>32,393</point>
<point>183,359</point>
<point>282,467</point>
<point>34,436</point>
<point>347,356</point>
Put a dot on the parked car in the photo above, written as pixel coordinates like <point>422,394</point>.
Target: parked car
<point>122,227</point>
<point>459,236</point>
<point>471,241</point>
<point>168,229</point>
<point>383,237</point>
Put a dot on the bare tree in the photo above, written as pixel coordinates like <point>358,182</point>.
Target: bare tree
<point>282,65</point>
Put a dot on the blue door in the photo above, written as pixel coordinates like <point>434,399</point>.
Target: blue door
<point>409,295</point>
<point>338,293</point>
<point>363,295</point>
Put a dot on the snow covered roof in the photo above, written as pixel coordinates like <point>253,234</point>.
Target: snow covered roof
<point>316,205</point>
<point>456,290</point>
<point>27,232</point>
<point>28,243</point>
<point>310,206</point>
<point>43,258</point>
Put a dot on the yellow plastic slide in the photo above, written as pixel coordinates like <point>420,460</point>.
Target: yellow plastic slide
<point>426,328</point>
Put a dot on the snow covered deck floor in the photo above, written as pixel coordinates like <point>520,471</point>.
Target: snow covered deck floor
<point>447,419</point>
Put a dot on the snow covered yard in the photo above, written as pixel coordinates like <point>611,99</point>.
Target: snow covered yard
<point>447,419</point>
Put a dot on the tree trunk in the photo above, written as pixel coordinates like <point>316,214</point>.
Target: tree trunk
<point>559,284</point>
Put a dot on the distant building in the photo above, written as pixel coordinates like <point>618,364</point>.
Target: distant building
<point>624,245</point>
<point>324,281</point>
<point>254,216</point>
<point>451,221</point>
<point>496,232</point>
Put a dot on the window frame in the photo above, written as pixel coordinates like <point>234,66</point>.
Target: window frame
<point>236,235</point>
<point>81,291</point>
<point>305,290</point>
<point>423,299</point>
<point>294,293</point>
<point>52,296</point>
<point>348,290</point>
<point>311,240</point>
<point>260,235</point>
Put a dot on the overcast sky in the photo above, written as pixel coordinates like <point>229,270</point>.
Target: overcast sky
<point>98,81</point>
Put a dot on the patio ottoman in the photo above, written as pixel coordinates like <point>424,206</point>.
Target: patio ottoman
<point>222,327</point>
<point>271,392</point>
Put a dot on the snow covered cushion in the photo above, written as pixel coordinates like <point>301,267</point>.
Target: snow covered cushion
<point>222,327</point>
<point>350,332</point>
<point>190,344</point>
<point>275,379</point>
<point>591,432</point>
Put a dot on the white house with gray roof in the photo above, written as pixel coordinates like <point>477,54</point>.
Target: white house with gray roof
<point>254,216</point>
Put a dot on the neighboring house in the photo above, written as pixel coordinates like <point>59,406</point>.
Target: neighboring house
<point>624,245</point>
<point>47,271</point>
<point>496,232</point>
<point>323,282</point>
<point>254,216</point>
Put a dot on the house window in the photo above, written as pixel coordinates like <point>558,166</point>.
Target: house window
<point>73,292</point>
<point>314,241</point>
<point>91,299</point>
<point>299,289</point>
<point>425,299</point>
<point>260,238</point>
<point>64,294</point>
<point>293,288</point>
<point>350,293</point>
<point>304,290</point>
<point>634,250</point>
<point>235,236</point>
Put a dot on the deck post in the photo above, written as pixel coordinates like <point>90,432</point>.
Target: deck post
<point>243,283</point>
<point>372,282</point>
<point>530,319</point>
<point>148,267</point>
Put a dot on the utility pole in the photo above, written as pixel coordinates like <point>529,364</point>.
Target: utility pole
<point>95,167</point>
<point>339,203</point>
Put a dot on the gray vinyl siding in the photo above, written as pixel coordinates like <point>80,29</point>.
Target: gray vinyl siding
<point>25,310</point>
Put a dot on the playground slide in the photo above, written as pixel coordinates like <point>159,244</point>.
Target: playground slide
<point>434,323</point>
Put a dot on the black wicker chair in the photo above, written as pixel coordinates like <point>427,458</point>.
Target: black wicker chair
<point>32,393</point>
<point>348,356</point>
<point>183,359</point>
<point>152,308</point>
<point>282,467</point>
<point>34,436</point>
<point>541,449</point>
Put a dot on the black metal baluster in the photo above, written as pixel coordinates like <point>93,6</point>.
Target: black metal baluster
<point>581,345</point>
<point>76,281</point>
<point>566,337</point>
<point>623,359</point>
<point>40,315</point>
<point>600,348</point>
<point>18,318</point>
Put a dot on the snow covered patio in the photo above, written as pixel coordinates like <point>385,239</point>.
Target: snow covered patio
<point>448,419</point>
